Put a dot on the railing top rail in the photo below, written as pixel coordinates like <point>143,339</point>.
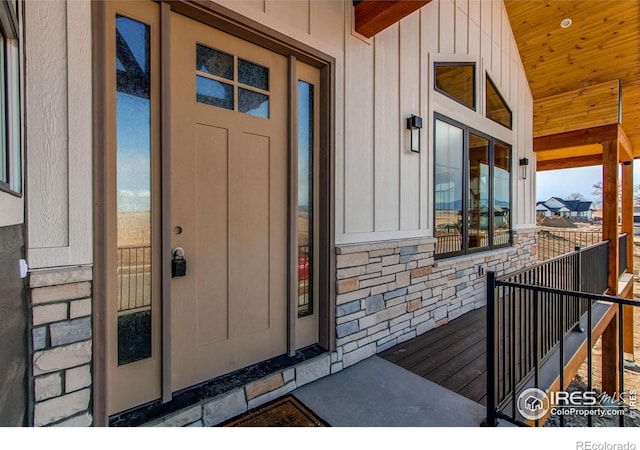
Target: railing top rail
<point>549,261</point>
<point>584,295</point>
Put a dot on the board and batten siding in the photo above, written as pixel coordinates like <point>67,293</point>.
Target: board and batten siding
<point>58,133</point>
<point>384,191</point>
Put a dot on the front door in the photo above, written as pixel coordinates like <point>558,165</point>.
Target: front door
<point>212,148</point>
<point>228,195</point>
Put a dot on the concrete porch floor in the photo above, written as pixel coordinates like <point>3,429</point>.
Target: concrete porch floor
<point>378,393</point>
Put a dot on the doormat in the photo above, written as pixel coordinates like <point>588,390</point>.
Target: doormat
<point>284,412</point>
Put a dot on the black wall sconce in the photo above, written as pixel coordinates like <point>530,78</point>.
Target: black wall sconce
<point>414,123</point>
<point>524,163</point>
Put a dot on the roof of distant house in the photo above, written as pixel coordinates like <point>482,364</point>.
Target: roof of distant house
<point>571,205</point>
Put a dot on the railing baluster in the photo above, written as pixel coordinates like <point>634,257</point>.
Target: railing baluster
<point>621,358</point>
<point>536,353</point>
<point>590,356</point>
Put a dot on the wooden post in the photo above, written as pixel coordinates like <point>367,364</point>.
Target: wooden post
<point>610,215</point>
<point>610,375</point>
<point>610,210</point>
<point>627,227</point>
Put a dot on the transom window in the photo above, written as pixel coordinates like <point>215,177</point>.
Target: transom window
<point>457,80</point>
<point>497,108</point>
<point>230,82</point>
<point>472,190</point>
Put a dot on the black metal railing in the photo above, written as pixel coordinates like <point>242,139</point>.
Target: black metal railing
<point>533,316</point>
<point>134,277</point>
<point>622,254</point>
<point>552,243</point>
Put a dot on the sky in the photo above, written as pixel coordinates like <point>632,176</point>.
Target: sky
<point>562,183</point>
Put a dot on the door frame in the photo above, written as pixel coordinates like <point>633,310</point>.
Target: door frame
<point>249,30</point>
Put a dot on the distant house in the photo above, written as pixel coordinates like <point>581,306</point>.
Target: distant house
<point>570,209</point>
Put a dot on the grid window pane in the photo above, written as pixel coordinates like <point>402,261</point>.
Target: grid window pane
<point>253,103</point>
<point>214,62</point>
<point>212,92</point>
<point>253,75</point>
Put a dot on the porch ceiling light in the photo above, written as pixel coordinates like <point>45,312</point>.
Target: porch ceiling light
<point>566,23</point>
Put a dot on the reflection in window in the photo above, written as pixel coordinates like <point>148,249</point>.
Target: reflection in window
<point>213,92</point>
<point>305,198</point>
<point>10,147</point>
<point>4,155</point>
<point>497,109</point>
<point>253,103</point>
<point>213,65</point>
<point>133,154</point>
<point>448,187</point>
<point>501,194</point>
<point>214,62</point>
<point>253,75</point>
<point>457,81</point>
<point>472,200</point>
<point>478,219</point>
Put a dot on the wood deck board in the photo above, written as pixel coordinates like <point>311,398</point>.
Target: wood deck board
<point>433,337</point>
<point>453,355</point>
<point>442,350</point>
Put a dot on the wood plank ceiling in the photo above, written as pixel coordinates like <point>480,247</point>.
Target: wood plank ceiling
<point>601,45</point>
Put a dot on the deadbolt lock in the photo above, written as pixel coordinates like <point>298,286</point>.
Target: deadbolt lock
<point>178,264</point>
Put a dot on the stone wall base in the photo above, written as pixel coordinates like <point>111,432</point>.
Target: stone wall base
<point>226,406</point>
<point>62,340</point>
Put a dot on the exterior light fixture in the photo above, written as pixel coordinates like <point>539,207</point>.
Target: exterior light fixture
<point>524,163</point>
<point>566,23</point>
<point>414,123</point>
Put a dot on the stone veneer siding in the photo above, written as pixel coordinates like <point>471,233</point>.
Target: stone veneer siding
<point>387,292</point>
<point>390,292</point>
<point>238,401</point>
<point>61,346</point>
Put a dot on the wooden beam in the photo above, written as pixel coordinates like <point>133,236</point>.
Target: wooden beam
<point>626,149</point>
<point>569,163</point>
<point>587,136</point>
<point>373,16</point>
<point>610,210</point>
<point>571,152</point>
<point>627,227</point>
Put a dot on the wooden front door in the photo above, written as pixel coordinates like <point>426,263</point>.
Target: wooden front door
<point>228,195</point>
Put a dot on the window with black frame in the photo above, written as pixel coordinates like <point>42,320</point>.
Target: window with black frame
<point>472,192</point>
<point>457,81</point>
<point>10,152</point>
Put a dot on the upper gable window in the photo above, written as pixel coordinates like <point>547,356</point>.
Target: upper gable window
<point>458,81</point>
<point>497,109</point>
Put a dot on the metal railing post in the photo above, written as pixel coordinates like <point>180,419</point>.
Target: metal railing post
<point>492,340</point>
